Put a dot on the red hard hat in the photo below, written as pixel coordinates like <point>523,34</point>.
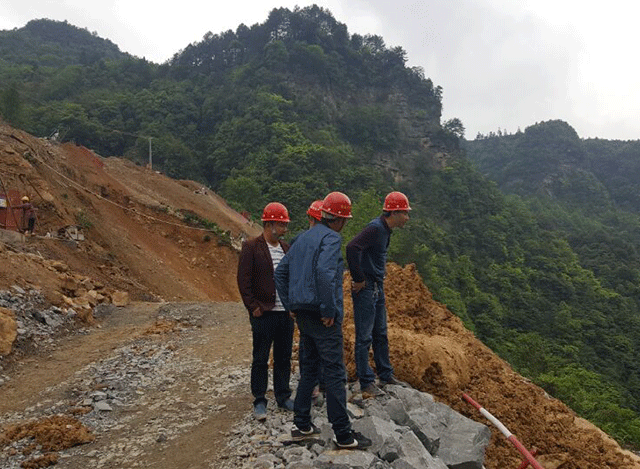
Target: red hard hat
<point>337,204</point>
<point>275,211</point>
<point>396,201</point>
<point>315,210</point>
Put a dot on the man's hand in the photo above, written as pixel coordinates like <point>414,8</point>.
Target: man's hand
<point>328,322</point>
<point>256,313</point>
<point>357,286</point>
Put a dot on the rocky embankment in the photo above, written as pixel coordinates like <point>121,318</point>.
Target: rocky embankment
<point>27,324</point>
<point>408,428</point>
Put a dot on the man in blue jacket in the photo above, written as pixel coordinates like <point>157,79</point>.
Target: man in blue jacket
<point>309,283</point>
<point>367,259</point>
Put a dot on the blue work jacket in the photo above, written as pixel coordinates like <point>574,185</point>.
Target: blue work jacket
<point>309,276</point>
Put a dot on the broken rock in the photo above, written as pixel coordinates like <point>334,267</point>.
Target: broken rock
<point>120,298</point>
<point>8,330</point>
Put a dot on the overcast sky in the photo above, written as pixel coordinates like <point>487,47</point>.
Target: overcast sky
<point>501,63</point>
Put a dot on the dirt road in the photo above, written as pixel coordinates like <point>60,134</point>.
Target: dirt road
<point>170,378</point>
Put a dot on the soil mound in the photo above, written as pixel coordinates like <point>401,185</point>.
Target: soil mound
<point>52,433</point>
<point>431,350</point>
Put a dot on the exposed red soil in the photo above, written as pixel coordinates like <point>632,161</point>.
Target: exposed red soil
<point>432,350</point>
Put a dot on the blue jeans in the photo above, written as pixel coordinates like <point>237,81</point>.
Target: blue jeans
<point>370,319</point>
<point>321,352</point>
<point>272,328</point>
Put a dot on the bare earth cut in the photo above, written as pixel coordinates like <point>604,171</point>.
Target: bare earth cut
<point>154,370</point>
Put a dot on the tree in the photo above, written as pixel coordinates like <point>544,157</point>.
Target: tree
<point>454,126</point>
<point>11,105</point>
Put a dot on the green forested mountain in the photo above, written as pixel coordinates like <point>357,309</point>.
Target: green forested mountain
<point>290,106</point>
<point>44,43</point>
<point>294,107</point>
<point>585,192</point>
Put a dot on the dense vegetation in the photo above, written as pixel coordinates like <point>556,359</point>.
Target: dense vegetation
<point>542,263</point>
<point>582,196</point>
<point>245,112</point>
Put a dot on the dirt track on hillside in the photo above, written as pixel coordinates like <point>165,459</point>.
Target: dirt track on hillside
<point>178,421</point>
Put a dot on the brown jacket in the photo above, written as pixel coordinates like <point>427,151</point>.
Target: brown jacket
<point>255,274</point>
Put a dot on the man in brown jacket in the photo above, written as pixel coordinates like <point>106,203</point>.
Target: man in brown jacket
<point>270,323</point>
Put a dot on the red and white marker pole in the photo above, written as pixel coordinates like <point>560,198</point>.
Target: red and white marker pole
<point>525,463</point>
<point>505,431</point>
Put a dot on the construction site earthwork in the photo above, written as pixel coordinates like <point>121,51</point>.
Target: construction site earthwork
<point>124,341</point>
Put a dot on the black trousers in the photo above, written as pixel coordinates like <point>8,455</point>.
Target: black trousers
<point>272,328</point>
<point>321,354</point>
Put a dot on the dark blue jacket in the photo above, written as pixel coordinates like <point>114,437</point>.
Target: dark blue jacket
<point>309,276</point>
<point>367,251</point>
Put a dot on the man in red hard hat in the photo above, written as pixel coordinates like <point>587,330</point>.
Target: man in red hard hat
<point>367,258</point>
<point>314,214</point>
<point>309,281</point>
<point>270,321</point>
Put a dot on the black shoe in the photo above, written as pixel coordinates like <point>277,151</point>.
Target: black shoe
<point>393,381</point>
<point>260,411</point>
<point>286,405</point>
<point>371,390</point>
<point>353,440</point>
<point>299,434</point>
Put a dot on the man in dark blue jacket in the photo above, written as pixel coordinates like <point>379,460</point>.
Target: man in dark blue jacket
<point>367,258</point>
<point>309,282</point>
<point>314,214</point>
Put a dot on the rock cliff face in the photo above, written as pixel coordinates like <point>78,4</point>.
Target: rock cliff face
<point>416,117</point>
<point>417,126</point>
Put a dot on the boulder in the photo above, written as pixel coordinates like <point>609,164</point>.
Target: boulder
<point>55,297</point>
<point>463,444</point>
<point>87,283</point>
<point>413,455</point>
<point>458,441</point>
<point>82,302</point>
<point>421,423</point>
<point>93,297</point>
<point>69,284</point>
<point>384,435</point>
<point>346,458</point>
<point>120,298</point>
<point>8,330</point>
<point>59,266</point>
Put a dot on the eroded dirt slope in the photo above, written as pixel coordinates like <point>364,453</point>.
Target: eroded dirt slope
<point>133,219</point>
<point>431,350</point>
